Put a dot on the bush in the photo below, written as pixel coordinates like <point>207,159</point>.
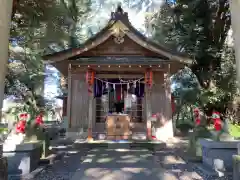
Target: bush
<point>184,127</point>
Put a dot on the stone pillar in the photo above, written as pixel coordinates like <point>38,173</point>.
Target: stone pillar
<point>236,165</point>
<point>168,106</point>
<point>5,18</point>
<point>165,130</point>
<point>235,14</point>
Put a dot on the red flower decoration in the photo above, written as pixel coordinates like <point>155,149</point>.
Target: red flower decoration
<point>39,119</point>
<point>218,125</point>
<point>23,116</point>
<point>154,115</point>
<point>198,121</point>
<point>197,116</point>
<point>154,137</point>
<point>21,126</point>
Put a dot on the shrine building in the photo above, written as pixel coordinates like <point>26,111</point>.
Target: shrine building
<point>120,66</point>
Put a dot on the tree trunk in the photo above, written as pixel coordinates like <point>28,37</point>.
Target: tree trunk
<point>235,14</point>
<point>5,18</point>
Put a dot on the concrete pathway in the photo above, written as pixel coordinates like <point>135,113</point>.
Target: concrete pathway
<point>119,164</point>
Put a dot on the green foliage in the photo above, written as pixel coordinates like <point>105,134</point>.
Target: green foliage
<point>3,130</point>
<point>39,27</point>
<point>200,29</point>
<point>235,130</point>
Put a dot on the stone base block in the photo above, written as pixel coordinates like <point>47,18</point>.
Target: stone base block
<point>24,159</point>
<point>236,167</point>
<point>3,168</point>
<point>218,154</point>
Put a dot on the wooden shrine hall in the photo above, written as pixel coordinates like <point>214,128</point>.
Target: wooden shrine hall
<point>116,80</point>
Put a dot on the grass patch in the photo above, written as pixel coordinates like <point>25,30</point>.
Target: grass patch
<point>234,130</point>
<point>3,129</point>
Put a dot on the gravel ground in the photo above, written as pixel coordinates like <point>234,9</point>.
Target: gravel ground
<point>63,169</point>
<point>173,164</point>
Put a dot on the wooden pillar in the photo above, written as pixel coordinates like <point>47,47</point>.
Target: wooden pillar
<point>90,117</point>
<point>90,82</point>
<point>148,105</point>
<point>235,14</point>
<point>5,18</point>
<point>69,97</point>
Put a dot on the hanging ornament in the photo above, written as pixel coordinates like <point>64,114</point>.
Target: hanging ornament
<point>139,91</point>
<point>102,87</point>
<point>149,78</point>
<point>121,91</point>
<point>128,86</point>
<point>114,86</point>
<point>134,84</point>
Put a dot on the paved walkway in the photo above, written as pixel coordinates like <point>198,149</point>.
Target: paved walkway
<point>118,165</point>
<point>104,164</point>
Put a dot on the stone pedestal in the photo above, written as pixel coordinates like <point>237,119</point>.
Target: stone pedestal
<point>3,166</point>
<point>24,159</point>
<point>218,155</point>
<point>236,165</point>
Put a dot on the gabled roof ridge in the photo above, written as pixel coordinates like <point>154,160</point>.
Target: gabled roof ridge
<point>119,16</point>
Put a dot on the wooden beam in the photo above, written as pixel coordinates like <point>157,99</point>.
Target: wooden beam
<point>114,76</point>
<point>69,96</point>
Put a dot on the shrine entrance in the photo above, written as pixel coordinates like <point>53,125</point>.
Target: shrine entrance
<point>119,94</point>
<point>118,69</point>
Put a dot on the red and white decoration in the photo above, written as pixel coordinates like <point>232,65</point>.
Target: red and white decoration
<point>39,119</point>
<point>217,121</point>
<point>21,125</point>
<point>197,117</point>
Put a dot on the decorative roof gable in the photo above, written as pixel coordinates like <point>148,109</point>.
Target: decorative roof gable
<point>118,27</point>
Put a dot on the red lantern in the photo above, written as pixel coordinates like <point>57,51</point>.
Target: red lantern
<point>149,77</point>
<point>90,77</point>
<point>217,121</point>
